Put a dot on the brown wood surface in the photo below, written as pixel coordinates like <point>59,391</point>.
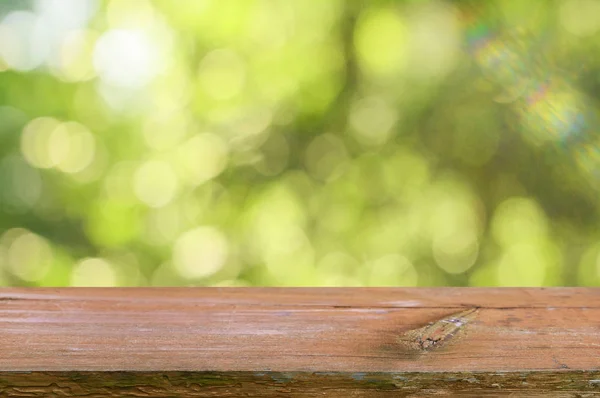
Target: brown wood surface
<point>299,342</point>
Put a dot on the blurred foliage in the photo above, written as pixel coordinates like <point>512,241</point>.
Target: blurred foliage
<point>321,143</point>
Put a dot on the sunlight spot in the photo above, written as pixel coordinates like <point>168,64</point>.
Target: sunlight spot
<point>93,272</point>
<point>200,253</point>
<point>155,183</point>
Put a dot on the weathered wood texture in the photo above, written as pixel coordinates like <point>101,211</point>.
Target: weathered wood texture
<point>299,342</point>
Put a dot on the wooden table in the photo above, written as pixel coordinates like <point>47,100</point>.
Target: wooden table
<point>271,342</point>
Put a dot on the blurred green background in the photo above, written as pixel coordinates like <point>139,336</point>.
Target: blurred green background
<point>299,143</point>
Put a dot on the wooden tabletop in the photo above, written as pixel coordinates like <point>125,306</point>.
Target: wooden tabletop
<point>364,339</point>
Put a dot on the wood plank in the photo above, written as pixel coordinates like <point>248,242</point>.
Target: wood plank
<point>262,341</point>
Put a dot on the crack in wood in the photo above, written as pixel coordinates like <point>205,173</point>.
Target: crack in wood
<point>438,333</point>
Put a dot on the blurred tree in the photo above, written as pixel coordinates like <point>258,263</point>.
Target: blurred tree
<point>268,142</point>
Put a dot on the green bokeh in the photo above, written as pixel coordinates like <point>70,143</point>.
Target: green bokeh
<point>299,143</point>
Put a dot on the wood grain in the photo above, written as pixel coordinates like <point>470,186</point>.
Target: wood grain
<point>301,341</point>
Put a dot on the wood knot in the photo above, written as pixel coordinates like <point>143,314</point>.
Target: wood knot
<point>438,333</point>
